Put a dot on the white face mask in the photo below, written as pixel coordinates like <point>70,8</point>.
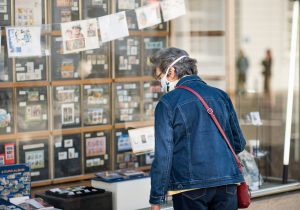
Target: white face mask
<point>166,85</point>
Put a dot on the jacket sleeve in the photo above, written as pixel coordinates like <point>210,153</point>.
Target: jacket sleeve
<point>238,140</point>
<point>161,166</point>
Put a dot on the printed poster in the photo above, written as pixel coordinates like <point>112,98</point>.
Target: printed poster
<point>113,26</point>
<point>80,35</point>
<point>142,139</point>
<point>148,15</point>
<point>28,13</point>
<point>23,41</point>
<point>172,9</point>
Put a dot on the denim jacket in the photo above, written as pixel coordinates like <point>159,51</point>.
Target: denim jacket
<point>189,150</point>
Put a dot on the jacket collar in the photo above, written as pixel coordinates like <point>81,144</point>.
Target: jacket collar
<point>189,78</point>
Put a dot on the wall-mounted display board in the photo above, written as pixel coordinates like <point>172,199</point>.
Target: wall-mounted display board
<point>32,109</point>
<point>152,94</point>
<point>5,12</point>
<point>127,106</point>
<point>96,99</point>
<point>94,8</point>
<point>64,66</point>
<point>6,73</point>
<point>151,45</point>
<point>97,155</point>
<point>67,155</point>
<point>6,111</point>
<point>66,107</point>
<point>128,56</point>
<point>129,6</point>
<point>35,153</point>
<point>67,114</point>
<point>64,11</point>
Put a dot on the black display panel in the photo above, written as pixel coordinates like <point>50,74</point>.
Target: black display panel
<point>150,46</point>
<point>35,153</point>
<point>5,12</point>
<point>128,56</point>
<point>67,155</point>
<point>6,74</point>
<point>32,109</point>
<point>63,66</point>
<point>66,106</point>
<point>96,100</point>
<point>64,11</point>
<point>6,111</point>
<point>97,62</point>
<point>129,6</point>
<point>152,94</point>
<point>127,104</point>
<point>94,8</point>
<point>97,151</point>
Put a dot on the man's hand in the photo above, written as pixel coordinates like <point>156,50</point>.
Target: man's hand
<point>155,207</point>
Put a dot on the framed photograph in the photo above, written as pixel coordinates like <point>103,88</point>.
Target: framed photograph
<point>66,106</point>
<point>67,160</point>
<point>32,109</point>
<point>142,139</point>
<point>96,104</point>
<point>97,151</point>
<point>94,8</point>
<point>150,46</point>
<point>65,11</point>
<point>67,114</point>
<point>127,105</point>
<point>6,111</point>
<point>29,13</point>
<point>128,56</point>
<point>35,153</point>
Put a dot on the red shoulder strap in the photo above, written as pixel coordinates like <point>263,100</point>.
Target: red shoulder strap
<point>213,117</point>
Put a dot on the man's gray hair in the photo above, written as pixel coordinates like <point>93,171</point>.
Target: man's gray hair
<point>164,57</point>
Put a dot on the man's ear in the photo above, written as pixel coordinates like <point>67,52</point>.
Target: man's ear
<point>172,74</point>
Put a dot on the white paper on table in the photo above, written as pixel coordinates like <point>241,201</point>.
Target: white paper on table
<point>28,13</point>
<point>148,15</point>
<point>142,139</point>
<point>113,26</point>
<point>23,41</point>
<point>80,35</point>
<point>172,9</point>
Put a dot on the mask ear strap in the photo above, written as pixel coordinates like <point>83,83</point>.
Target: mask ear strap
<point>174,62</point>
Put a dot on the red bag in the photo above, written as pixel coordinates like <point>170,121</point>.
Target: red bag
<point>243,193</point>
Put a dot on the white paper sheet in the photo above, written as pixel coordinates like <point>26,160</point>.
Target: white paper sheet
<point>148,15</point>
<point>80,35</point>
<point>113,26</point>
<point>172,9</point>
<point>142,139</point>
<point>23,41</point>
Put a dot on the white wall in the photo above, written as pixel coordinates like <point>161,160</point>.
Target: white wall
<point>264,24</point>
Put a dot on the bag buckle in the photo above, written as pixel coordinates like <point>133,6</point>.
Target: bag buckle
<point>210,111</point>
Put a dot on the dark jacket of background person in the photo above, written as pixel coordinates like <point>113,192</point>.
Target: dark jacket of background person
<point>189,150</point>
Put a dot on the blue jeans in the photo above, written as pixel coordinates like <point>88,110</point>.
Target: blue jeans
<point>214,198</point>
